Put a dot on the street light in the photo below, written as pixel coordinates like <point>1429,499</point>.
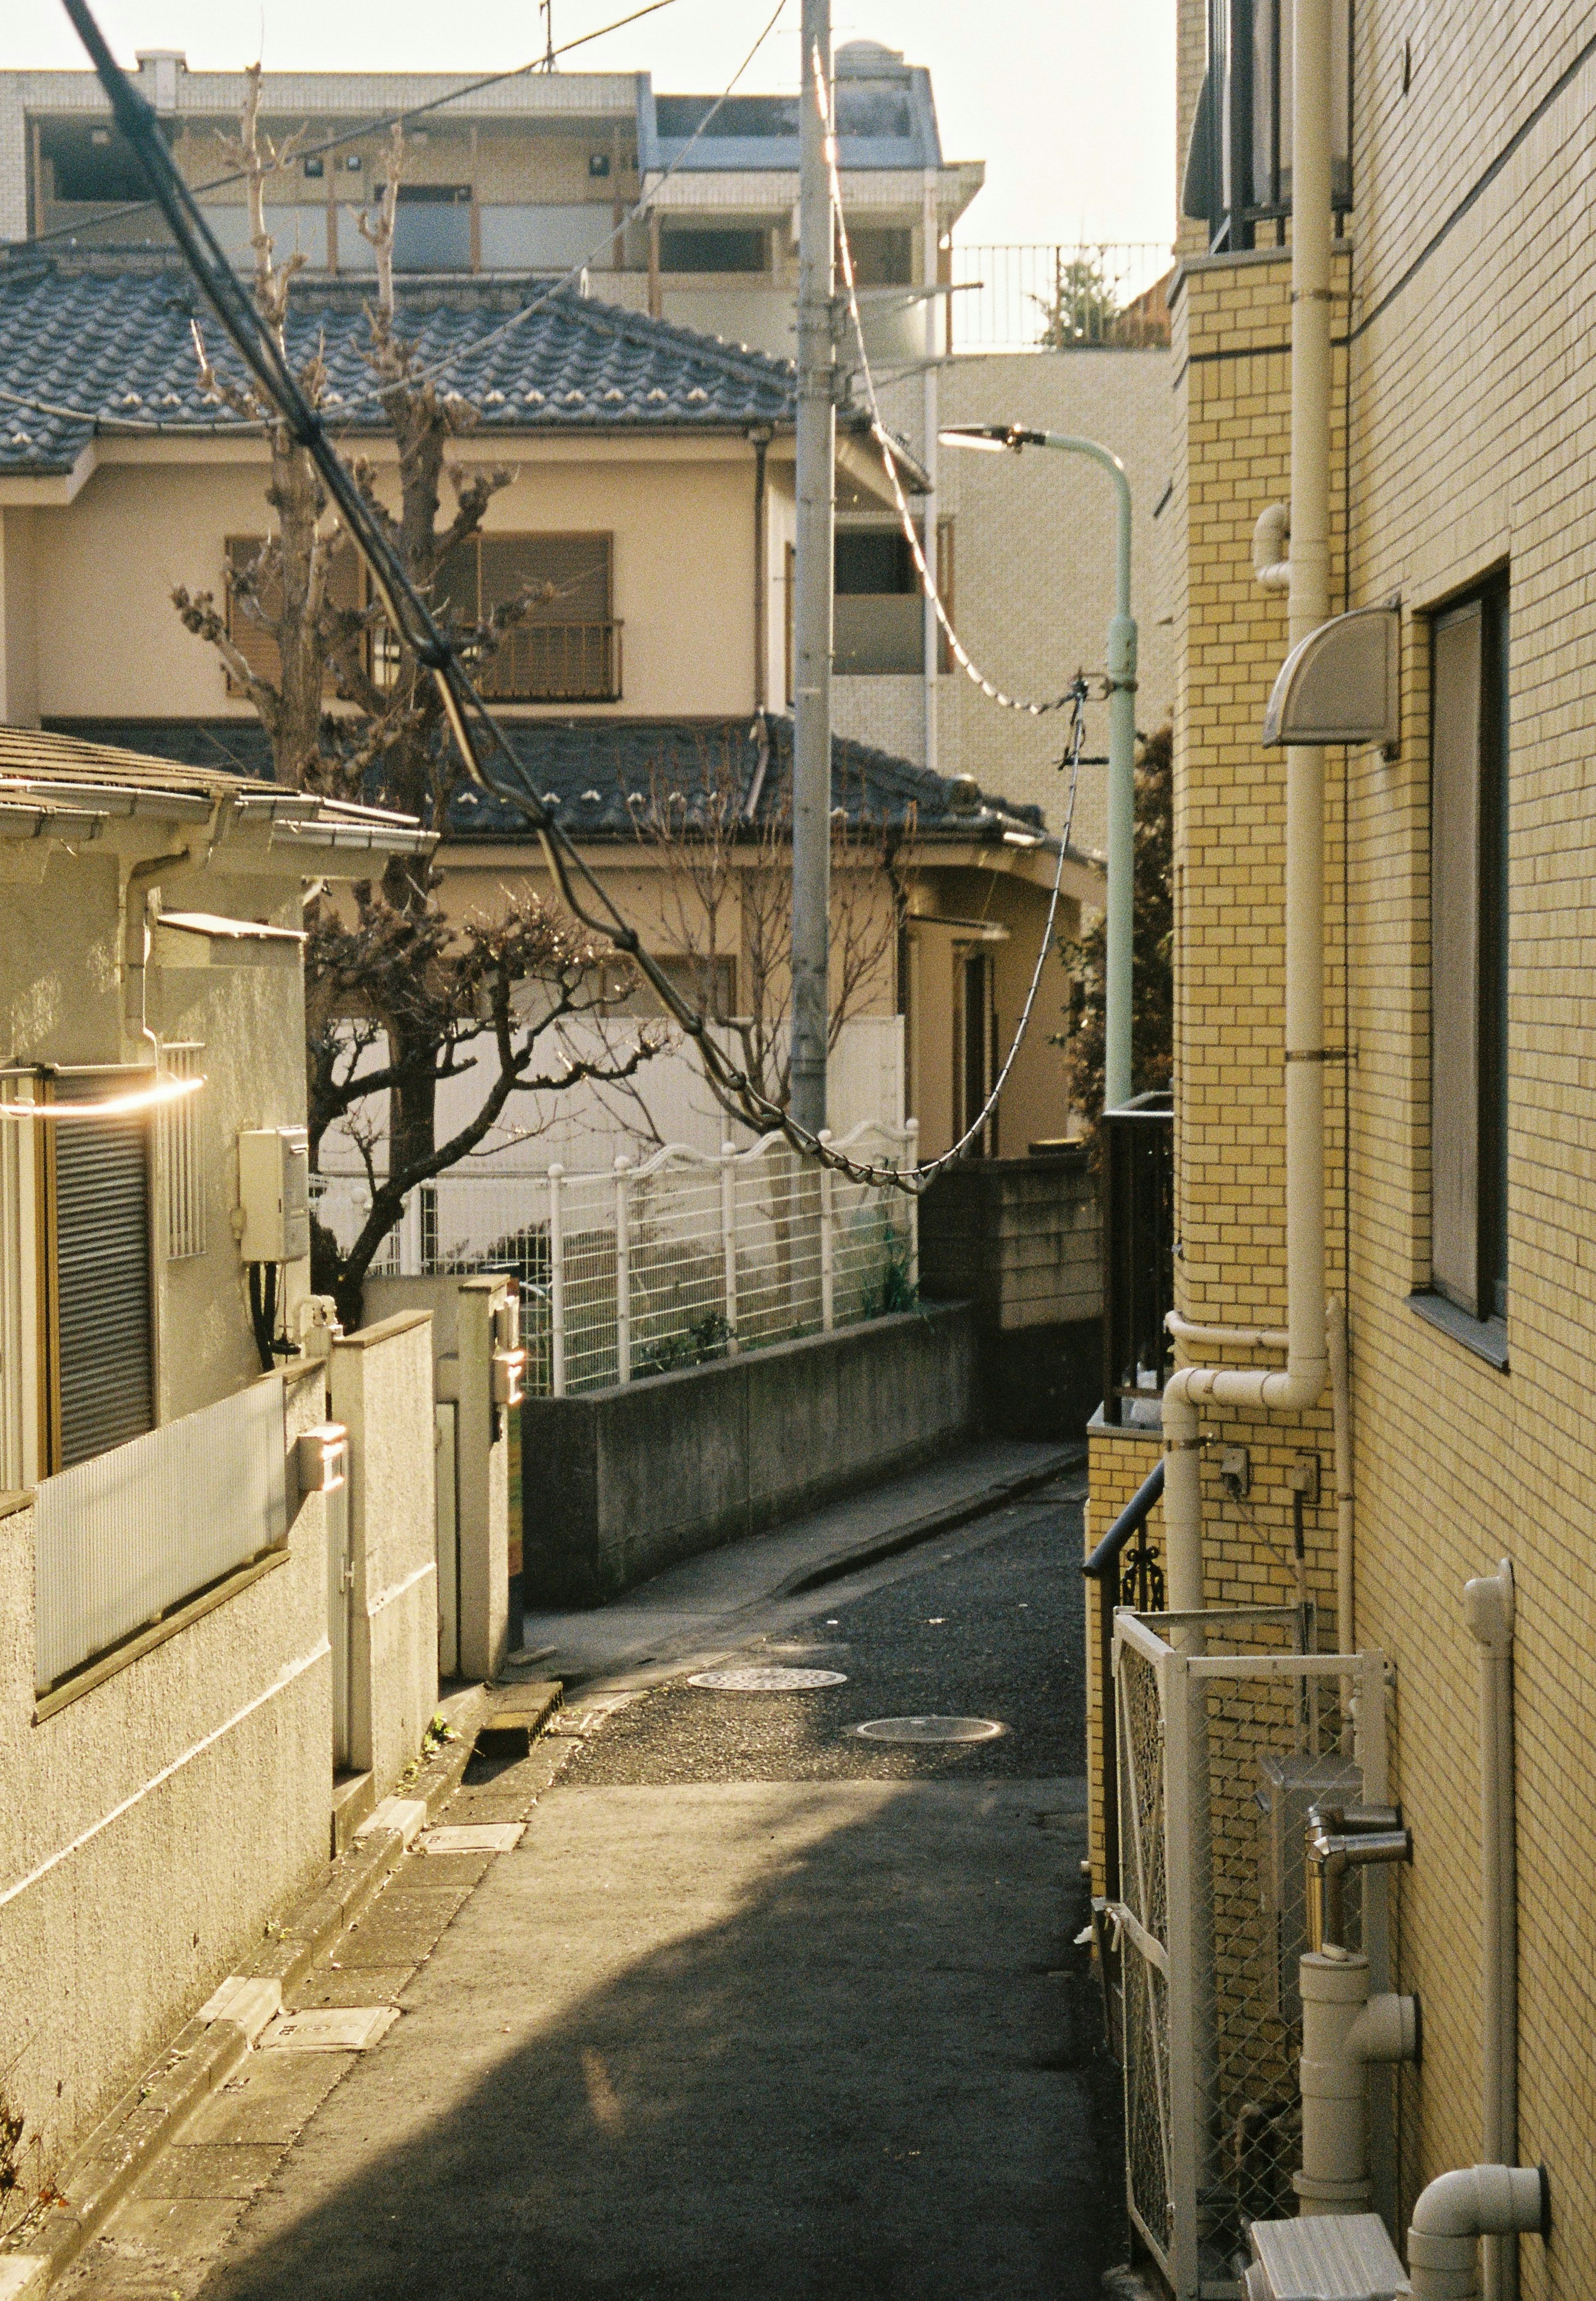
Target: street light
<point>1009,439</point>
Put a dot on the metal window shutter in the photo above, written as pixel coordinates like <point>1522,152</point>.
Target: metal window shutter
<point>103,1325</point>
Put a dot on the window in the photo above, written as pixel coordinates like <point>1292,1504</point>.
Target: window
<point>707,981</point>
<point>433,228</point>
<point>714,248</point>
<point>99,1322</point>
<point>979,1038</point>
<point>1239,164</point>
<point>247,630</point>
<point>1468,954</point>
<point>883,257</point>
<point>567,649</point>
<point>880,612</point>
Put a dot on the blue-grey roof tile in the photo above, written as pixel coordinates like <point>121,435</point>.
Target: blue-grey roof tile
<point>85,348</point>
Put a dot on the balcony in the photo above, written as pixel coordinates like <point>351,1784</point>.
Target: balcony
<point>556,663</point>
<point>1138,1169</point>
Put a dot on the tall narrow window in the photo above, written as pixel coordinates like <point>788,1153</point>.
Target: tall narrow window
<point>1468,955</point>
<point>100,1325</point>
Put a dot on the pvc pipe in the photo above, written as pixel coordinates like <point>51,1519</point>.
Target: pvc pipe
<point>1489,1604</point>
<point>1459,2208</point>
<point>1307,1368</point>
<point>1220,1338</point>
<point>1270,565</point>
<point>1341,1392</point>
<point>1344,2030</point>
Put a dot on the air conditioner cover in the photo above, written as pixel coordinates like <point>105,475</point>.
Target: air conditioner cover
<point>1325,2258</point>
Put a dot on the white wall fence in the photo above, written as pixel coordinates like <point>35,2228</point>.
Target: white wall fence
<point>124,1537</point>
<point>640,1267</point>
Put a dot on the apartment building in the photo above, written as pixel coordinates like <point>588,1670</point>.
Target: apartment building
<point>1437,1067</point>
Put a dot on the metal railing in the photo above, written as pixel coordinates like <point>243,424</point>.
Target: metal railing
<point>119,1541</point>
<point>1035,296</point>
<point>1138,1582</point>
<point>555,663</point>
<point>685,1256</point>
<point>1138,1166</point>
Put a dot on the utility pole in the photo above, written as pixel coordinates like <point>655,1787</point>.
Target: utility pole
<point>812,605</point>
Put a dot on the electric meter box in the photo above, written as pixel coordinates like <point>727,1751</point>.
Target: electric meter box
<point>274,1194</point>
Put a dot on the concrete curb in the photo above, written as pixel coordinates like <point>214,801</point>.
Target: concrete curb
<point>877,1546</point>
<point>152,2114</point>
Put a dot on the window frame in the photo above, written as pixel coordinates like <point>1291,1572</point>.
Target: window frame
<point>1469,943</point>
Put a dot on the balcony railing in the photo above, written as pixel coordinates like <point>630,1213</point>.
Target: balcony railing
<point>1041,295</point>
<point>556,663</point>
<point>1138,1142</point>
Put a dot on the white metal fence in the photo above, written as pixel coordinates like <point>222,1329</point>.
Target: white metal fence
<point>1226,1734</point>
<point>681,1257</point>
<point>122,1539</point>
<point>1081,296</point>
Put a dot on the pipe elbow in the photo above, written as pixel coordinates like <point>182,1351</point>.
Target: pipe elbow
<point>1488,1606</point>
<point>1476,2201</point>
<point>1270,535</point>
<point>1387,2029</point>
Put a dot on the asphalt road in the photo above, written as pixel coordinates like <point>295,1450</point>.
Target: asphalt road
<point>756,2007</point>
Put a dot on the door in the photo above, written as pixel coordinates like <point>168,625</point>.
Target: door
<point>445,1439</point>
<point>341,1591</point>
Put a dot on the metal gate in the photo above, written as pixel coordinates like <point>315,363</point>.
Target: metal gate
<point>1227,1733</point>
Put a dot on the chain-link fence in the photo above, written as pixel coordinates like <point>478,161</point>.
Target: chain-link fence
<point>1228,1734</point>
<point>683,1258</point>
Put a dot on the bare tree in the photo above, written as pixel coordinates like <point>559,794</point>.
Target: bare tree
<point>399,973</point>
<point>727,897</point>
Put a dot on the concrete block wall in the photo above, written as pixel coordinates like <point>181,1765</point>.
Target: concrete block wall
<point>1021,1238</point>
<point>618,1483</point>
<point>380,1386</point>
<point>151,1827</point>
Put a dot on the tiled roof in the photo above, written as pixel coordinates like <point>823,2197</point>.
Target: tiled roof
<point>113,347</point>
<point>595,771</point>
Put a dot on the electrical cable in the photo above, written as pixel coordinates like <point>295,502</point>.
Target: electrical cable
<point>883,441</point>
<point>412,619</point>
<point>377,126</point>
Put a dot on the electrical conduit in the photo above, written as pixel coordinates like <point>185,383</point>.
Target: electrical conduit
<point>1489,1606</point>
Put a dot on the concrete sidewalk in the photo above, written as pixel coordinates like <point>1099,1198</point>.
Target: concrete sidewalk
<point>693,1614</point>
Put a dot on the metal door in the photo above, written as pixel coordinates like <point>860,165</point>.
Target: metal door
<point>340,1582</point>
<point>447,1413</point>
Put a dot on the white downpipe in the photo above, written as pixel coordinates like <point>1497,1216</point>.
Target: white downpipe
<point>1456,2211</point>
<point>1489,1603</point>
<point>1302,1381</point>
<point>1341,1392</point>
<point>1344,2031</point>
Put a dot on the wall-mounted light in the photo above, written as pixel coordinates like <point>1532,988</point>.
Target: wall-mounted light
<point>352,162</point>
<point>321,1459</point>
<point>315,165</point>
<point>598,163</point>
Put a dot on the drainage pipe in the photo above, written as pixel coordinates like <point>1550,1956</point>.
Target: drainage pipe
<point>1341,1392</point>
<point>1302,1381</point>
<point>1459,2208</point>
<point>1489,1603</point>
<point>1344,2031</point>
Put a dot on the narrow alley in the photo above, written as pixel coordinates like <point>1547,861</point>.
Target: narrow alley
<point>757,2004</point>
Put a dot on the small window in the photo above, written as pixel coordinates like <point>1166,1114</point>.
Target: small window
<point>882,258</point>
<point>707,983</point>
<point>723,248</point>
<point>1468,954</point>
<point>433,228</point>
<point>566,648</point>
<point>248,616</point>
<point>879,617</point>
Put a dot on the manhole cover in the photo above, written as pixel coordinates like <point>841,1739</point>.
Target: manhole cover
<point>930,1729</point>
<point>770,1679</point>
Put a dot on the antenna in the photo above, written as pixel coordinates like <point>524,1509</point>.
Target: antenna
<point>546,10</point>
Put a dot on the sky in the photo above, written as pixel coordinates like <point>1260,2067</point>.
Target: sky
<point>1070,103</point>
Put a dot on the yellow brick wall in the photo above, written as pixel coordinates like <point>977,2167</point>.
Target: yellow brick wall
<point>1463,440</point>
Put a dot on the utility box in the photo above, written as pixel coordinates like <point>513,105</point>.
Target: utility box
<point>1290,1785</point>
<point>274,1194</point>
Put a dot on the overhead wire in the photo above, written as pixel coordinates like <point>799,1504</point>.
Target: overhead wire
<point>466,711</point>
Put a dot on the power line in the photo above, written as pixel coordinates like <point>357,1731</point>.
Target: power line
<point>375,127</point>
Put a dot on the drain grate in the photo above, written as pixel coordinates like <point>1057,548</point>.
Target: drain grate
<point>929,1729</point>
<point>766,1679</point>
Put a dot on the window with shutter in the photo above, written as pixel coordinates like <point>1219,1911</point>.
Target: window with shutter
<point>247,618</point>
<point>1468,955</point>
<point>100,1325</point>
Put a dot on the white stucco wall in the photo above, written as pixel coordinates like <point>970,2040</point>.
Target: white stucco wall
<point>150,1829</point>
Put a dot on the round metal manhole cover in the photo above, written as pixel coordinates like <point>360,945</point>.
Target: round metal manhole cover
<point>768,1679</point>
<point>930,1729</point>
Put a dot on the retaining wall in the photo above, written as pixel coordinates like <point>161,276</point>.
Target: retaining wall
<point>621,1482</point>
